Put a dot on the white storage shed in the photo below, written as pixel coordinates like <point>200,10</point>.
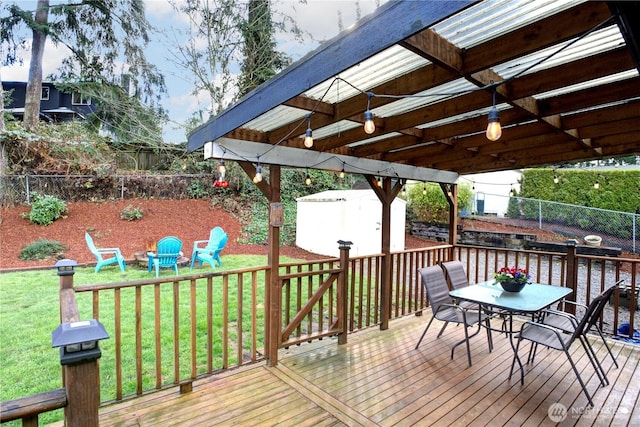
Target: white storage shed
<point>351,215</point>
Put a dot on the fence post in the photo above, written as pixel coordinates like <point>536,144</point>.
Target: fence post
<point>343,305</point>
<point>81,380</point>
<point>572,275</point>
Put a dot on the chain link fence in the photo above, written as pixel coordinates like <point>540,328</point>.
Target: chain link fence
<point>609,228</point>
<point>616,229</point>
<point>19,189</point>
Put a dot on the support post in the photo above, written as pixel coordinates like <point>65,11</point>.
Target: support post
<point>572,274</point>
<point>273,287</point>
<point>343,305</point>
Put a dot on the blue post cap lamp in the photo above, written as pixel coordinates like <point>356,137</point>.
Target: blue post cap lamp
<point>78,341</point>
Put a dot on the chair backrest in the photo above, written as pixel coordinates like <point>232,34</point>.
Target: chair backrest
<point>594,310</point>
<point>215,235</point>
<point>92,246</point>
<point>222,243</point>
<point>456,274</point>
<point>436,286</point>
<point>168,250</point>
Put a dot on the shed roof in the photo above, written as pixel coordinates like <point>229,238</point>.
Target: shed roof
<point>564,75</point>
<point>341,196</point>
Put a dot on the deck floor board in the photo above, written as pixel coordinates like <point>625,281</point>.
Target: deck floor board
<point>379,379</point>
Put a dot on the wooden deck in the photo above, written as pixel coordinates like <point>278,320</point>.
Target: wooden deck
<point>378,378</point>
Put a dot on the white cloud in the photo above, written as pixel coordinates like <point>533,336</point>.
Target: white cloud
<point>51,61</point>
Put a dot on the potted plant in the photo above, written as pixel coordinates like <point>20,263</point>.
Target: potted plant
<point>512,279</point>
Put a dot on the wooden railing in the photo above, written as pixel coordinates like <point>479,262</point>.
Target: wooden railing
<point>168,331</point>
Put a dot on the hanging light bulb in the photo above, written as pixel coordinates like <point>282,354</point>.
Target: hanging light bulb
<point>404,191</point>
<point>258,176</point>
<point>494,130</point>
<point>380,182</point>
<point>307,180</point>
<point>308,139</point>
<point>424,190</point>
<point>555,179</point>
<point>369,124</point>
<point>596,184</point>
<point>512,193</point>
<point>341,174</point>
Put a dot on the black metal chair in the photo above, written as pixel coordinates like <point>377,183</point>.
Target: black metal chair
<point>541,334</point>
<point>567,322</point>
<point>445,310</point>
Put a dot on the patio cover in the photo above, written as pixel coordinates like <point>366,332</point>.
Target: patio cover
<point>564,73</point>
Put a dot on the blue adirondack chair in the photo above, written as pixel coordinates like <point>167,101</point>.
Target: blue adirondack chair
<point>166,254</point>
<point>105,256</point>
<point>210,254</point>
<point>210,245</point>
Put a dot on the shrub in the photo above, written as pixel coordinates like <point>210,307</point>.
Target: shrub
<point>130,213</point>
<point>46,209</point>
<point>42,249</point>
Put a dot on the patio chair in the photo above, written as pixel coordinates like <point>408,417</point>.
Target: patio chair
<point>457,278</point>
<point>208,247</point>
<point>567,322</point>
<point>102,255</point>
<point>445,310</point>
<point>167,253</point>
<point>210,255</point>
<point>556,339</point>
<point>456,275</point>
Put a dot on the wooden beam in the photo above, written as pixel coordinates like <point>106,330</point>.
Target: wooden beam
<point>286,156</point>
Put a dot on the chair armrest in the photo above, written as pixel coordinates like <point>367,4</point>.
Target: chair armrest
<point>198,242</point>
<point>556,331</point>
<point>108,250</point>
<point>570,317</point>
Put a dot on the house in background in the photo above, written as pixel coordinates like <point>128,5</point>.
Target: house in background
<point>55,105</point>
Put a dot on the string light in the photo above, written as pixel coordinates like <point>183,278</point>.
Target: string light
<point>308,139</point>
<point>404,191</point>
<point>494,130</point>
<point>307,180</point>
<point>556,179</point>
<point>341,174</point>
<point>258,176</point>
<point>369,124</point>
<point>596,184</point>
<point>424,190</point>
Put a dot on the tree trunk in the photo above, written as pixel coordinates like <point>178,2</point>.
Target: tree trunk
<point>34,85</point>
<point>3,148</point>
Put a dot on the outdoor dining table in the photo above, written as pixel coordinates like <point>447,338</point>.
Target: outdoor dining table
<point>530,301</point>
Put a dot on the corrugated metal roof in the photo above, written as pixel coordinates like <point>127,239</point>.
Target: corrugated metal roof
<point>460,95</point>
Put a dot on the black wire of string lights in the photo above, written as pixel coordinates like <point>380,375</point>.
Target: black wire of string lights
<point>493,132</point>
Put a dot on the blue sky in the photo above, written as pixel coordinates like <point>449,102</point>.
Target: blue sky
<point>318,17</point>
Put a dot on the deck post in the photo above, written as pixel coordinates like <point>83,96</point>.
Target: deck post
<point>273,289</point>
<point>81,380</point>
<point>343,305</point>
<point>572,275</point>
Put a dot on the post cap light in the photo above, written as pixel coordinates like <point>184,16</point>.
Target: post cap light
<point>66,267</point>
<point>78,341</point>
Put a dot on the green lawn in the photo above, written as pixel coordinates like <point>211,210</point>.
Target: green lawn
<point>29,313</point>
